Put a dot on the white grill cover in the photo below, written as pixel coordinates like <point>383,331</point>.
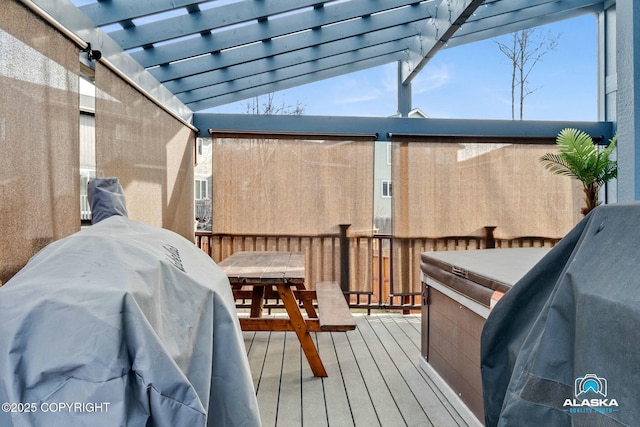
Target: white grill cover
<point>128,315</point>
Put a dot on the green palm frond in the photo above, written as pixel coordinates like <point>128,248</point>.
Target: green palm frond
<point>607,169</point>
<point>579,152</point>
<point>556,164</point>
<point>578,157</point>
<point>575,143</point>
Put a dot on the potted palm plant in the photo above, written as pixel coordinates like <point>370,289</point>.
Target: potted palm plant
<point>580,158</point>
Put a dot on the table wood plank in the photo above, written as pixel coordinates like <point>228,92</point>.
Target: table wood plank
<point>275,324</point>
<point>334,311</point>
<point>264,267</point>
<point>295,268</point>
<point>275,265</point>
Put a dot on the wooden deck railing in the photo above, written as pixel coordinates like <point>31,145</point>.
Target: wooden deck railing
<point>382,271</point>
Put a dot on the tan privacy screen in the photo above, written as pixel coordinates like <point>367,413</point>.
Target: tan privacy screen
<point>457,188</point>
<point>148,150</point>
<point>297,187</point>
<point>39,189</point>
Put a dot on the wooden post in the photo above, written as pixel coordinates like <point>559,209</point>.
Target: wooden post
<point>489,239</point>
<point>344,258</point>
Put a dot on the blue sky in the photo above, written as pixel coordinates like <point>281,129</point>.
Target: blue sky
<point>471,81</point>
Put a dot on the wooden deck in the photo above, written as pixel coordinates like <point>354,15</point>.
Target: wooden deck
<point>375,378</point>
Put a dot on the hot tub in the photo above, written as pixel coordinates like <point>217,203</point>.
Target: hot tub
<point>459,290</point>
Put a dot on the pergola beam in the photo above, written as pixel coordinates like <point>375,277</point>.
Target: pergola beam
<point>206,20</point>
<point>209,53</point>
<point>352,49</point>
<point>381,54</point>
<point>259,32</point>
<point>449,17</point>
<point>386,127</point>
<point>500,18</point>
<point>235,95</point>
<point>391,25</point>
<point>113,11</point>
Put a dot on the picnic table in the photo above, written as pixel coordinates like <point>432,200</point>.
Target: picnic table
<point>255,273</point>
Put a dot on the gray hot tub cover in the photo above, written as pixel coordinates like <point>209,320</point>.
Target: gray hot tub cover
<point>561,347</point>
<point>128,315</point>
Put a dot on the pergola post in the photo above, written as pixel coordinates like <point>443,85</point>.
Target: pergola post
<point>404,94</point>
<point>628,99</point>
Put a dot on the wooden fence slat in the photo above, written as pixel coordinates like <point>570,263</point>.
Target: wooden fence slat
<point>401,262</point>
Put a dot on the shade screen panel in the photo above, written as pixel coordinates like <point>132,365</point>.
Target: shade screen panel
<point>458,188</point>
<point>148,150</point>
<point>285,186</point>
<point>39,133</point>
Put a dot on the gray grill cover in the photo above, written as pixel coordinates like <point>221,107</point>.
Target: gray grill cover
<point>575,314</point>
<point>131,315</point>
<point>106,198</point>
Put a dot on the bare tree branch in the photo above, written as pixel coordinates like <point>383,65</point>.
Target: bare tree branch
<point>525,49</point>
<point>269,107</point>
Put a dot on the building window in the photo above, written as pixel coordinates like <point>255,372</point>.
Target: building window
<point>87,138</point>
<point>202,189</point>
<point>386,188</point>
<point>200,146</point>
<point>389,155</point>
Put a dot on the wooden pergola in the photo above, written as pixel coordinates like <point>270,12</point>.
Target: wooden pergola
<point>193,55</point>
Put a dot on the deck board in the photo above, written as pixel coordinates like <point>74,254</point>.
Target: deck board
<point>290,402</point>
<point>374,378</point>
<point>314,412</point>
<point>404,348</point>
<point>335,395</point>
<point>391,363</point>
<point>268,391</point>
<point>362,408</point>
<point>386,409</point>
